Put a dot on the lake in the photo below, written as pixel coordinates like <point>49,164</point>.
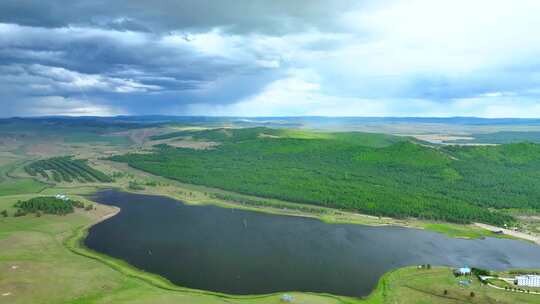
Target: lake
<point>244,252</point>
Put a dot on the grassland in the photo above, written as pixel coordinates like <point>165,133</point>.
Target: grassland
<point>201,194</point>
<point>10,185</point>
<point>42,260</point>
<point>27,185</point>
<point>83,276</point>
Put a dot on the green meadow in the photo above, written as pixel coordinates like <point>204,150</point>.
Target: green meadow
<point>43,261</point>
<point>330,176</point>
<point>10,185</point>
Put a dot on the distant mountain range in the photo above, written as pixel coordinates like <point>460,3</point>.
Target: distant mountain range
<point>296,120</point>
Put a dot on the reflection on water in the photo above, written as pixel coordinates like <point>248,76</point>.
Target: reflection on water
<point>244,252</point>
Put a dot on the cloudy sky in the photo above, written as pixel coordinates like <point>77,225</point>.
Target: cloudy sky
<point>270,57</point>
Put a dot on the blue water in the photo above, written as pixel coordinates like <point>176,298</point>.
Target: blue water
<point>244,252</point>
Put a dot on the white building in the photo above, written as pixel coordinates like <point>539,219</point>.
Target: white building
<point>463,271</point>
<point>528,280</point>
<point>287,298</point>
<point>62,197</point>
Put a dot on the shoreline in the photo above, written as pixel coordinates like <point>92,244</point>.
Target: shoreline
<point>336,216</point>
<point>73,241</point>
<point>75,244</point>
<point>204,195</point>
<point>517,234</point>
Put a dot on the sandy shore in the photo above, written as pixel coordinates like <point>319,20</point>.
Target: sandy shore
<point>521,235</point>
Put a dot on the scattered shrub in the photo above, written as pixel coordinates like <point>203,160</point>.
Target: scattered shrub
<point>480,272</point>
<point>135,186</point>
<point>19,212</point>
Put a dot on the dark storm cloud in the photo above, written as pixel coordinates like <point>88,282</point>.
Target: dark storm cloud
<point>259,57</point>
<point>134,71</point>
<point>95,51</point>
<point>116,53</point>
<point>274,17</point>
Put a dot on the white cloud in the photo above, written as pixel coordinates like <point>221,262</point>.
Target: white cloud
<point>58,105</point>
<point>397,58</point>
<point>48,78</point>
<point>412,58</point>
<point>300,94</point>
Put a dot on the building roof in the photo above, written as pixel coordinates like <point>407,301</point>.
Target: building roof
<point>528,276</point>
<point>463,270</point>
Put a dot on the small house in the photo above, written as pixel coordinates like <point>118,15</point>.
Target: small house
<point>462,271</point>
<point>62,197</point>
<point>286,298</point>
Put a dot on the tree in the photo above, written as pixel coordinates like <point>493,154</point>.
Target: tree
<point>4,213</point>
<point>50,205</point>
<point>445,292</point>
<point>19,212</point>
<point>472,294</point>
<point>133,185</point>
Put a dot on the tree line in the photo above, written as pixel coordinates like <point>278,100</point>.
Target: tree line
<point>66,169</point>
<point>48,205</point>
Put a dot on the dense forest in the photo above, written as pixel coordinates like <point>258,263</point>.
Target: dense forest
<point>66,169</point>
<point>50,205</point>
<point>376,174</point>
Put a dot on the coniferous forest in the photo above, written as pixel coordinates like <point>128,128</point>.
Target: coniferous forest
<point>375,174</point>
<point>47,204</point>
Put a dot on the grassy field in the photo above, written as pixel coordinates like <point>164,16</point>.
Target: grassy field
<point>10,185</point>
<point>82,276</point>
<point>462,231</point>
<point>18,182</point>
<point>42,260</point>
<point>16,186</point>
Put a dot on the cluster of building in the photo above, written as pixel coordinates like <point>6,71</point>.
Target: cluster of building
<point>62,197</point>
<point>529,280</point>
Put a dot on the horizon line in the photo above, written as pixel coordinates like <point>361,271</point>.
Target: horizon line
<point>262,116</point>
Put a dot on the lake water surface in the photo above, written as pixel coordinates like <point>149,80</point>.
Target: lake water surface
<point>244,252</point>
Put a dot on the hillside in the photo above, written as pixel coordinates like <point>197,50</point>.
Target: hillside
<point>375,174</point>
